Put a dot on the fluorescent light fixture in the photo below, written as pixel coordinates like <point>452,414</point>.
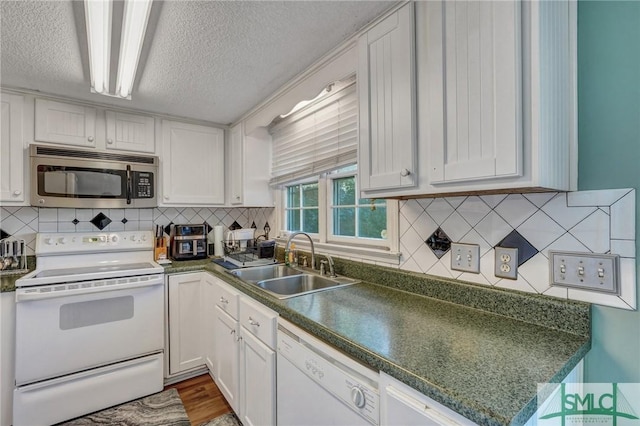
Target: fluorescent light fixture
<point>99,28</point>
<point>134,25</point>
<point>98,17</point>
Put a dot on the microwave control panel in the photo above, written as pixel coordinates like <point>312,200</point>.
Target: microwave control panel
<point>142,185</point>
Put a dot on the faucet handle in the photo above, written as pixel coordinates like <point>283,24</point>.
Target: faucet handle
<point>323,267</point>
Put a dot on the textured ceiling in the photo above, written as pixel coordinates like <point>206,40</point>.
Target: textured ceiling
<point>207,60</point>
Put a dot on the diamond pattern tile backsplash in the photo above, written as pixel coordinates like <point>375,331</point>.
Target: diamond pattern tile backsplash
<point>587,221</point>
<point>25,222</point>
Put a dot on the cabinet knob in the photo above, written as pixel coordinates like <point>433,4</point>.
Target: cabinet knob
<point>17,192</point>
<point>238,197</point>
<point>110,141</point>
<point>405,172</point>
<point>90,138</point>
<point>166,197</point>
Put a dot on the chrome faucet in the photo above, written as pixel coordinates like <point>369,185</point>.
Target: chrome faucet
<point>313,251</point>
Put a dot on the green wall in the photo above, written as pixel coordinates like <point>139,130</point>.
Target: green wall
<point>609,156</point>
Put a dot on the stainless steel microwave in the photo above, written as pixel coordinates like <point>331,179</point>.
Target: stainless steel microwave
<point>66,177</point>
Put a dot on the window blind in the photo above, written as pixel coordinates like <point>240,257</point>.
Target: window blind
<point>320,137</point>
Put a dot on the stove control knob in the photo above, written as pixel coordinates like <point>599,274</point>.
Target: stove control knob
<point>114,239</point>
<point>144,237</point>
<point>62,240</point>
<point>358,397</point>
<point>48,241</point>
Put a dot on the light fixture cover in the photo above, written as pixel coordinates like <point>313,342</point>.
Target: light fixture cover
<point>98,20</point>
<point>98,15</point>
<point>134,25</point>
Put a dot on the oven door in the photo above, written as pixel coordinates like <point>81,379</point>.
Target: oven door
<point>65,328</point>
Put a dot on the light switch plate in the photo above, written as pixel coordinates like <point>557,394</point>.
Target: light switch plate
<point>506,262</point>
<point>586,271</point>
<point>465,257</point>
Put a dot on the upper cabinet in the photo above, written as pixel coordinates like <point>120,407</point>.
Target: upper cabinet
<point>496,100</point>
<point>386,88</point>
<point>130,132</point>
<point>192,164</point>
<point>12,148</point>
<point>482,129</point>
<point>249,167</point>
<point>64,123</point>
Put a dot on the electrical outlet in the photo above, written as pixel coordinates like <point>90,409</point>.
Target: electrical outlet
<point>465,257</point>
<point>586,271</point>
<point>506,265</point>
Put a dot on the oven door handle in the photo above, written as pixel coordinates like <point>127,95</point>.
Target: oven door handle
<point>25,295</point>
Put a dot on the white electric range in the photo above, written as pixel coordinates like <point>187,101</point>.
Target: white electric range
<point>89,325</point>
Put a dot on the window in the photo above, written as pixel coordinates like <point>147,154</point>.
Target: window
<point>301,209</point>
<point>344,218</point>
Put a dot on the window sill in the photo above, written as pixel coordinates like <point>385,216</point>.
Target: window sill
<point>362,254</point>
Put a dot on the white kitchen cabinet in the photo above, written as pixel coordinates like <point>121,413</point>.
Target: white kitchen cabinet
<point>400,405</point>
<point>185,322</point>
<point>210,292</point>
<point>482,136</point>
<point>130,132</point>
<point>7,355</point>
<point>496,98</point>
<point>386,88</point>
<point>192,164</point>
<point>249,167</point>
<point>12,182</point>
<point>258,325</point>
<point>227,357</point>
<point>63,123</point>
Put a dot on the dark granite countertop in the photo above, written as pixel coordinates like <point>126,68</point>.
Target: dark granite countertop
<point>8,282</point>
<point>482,356</point>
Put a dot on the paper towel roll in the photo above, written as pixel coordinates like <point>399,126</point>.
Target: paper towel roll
<point>217,240</point>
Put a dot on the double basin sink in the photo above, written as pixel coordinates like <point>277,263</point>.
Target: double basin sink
<point>284,281</point>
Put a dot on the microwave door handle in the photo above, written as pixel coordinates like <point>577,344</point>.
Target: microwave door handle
<point>129,184</point>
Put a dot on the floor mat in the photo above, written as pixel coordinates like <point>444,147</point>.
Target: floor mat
<point>164,408</point>
<point>228,419</point>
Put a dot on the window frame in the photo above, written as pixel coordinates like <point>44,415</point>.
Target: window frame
<point>386,250</point>
<point>285,209</point>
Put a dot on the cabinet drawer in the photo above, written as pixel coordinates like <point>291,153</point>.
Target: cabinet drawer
<point>259,321</point>
<point>227,300</point>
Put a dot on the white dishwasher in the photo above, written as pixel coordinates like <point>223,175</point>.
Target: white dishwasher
<point>320,386</point>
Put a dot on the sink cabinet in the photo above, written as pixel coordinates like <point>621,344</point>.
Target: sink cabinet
<point>258,326</point>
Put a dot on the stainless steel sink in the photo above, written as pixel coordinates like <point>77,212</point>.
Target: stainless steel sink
<point>284,281</point>
<point>296,285</point>
<point>261,273</point>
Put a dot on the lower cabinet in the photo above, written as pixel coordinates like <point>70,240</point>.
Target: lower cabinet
<point>257,364</point>
<point>402,405</point>
<point>244,360</point>
<point>186,348</point>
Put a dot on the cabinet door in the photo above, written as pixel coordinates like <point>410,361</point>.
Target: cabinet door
<point>11,145</point>
<point>130,132</point>
<point>210,293</point>
<point>185,320</point>
<point>257,381</point>
<point>63,123</point>
<point>227,358</point>
<point>192,164</point>
<point>236,173</point>
<point>481,137</point>
<point>386,87</point>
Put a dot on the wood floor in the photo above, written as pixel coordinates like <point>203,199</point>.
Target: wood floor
<point>201,399</point>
